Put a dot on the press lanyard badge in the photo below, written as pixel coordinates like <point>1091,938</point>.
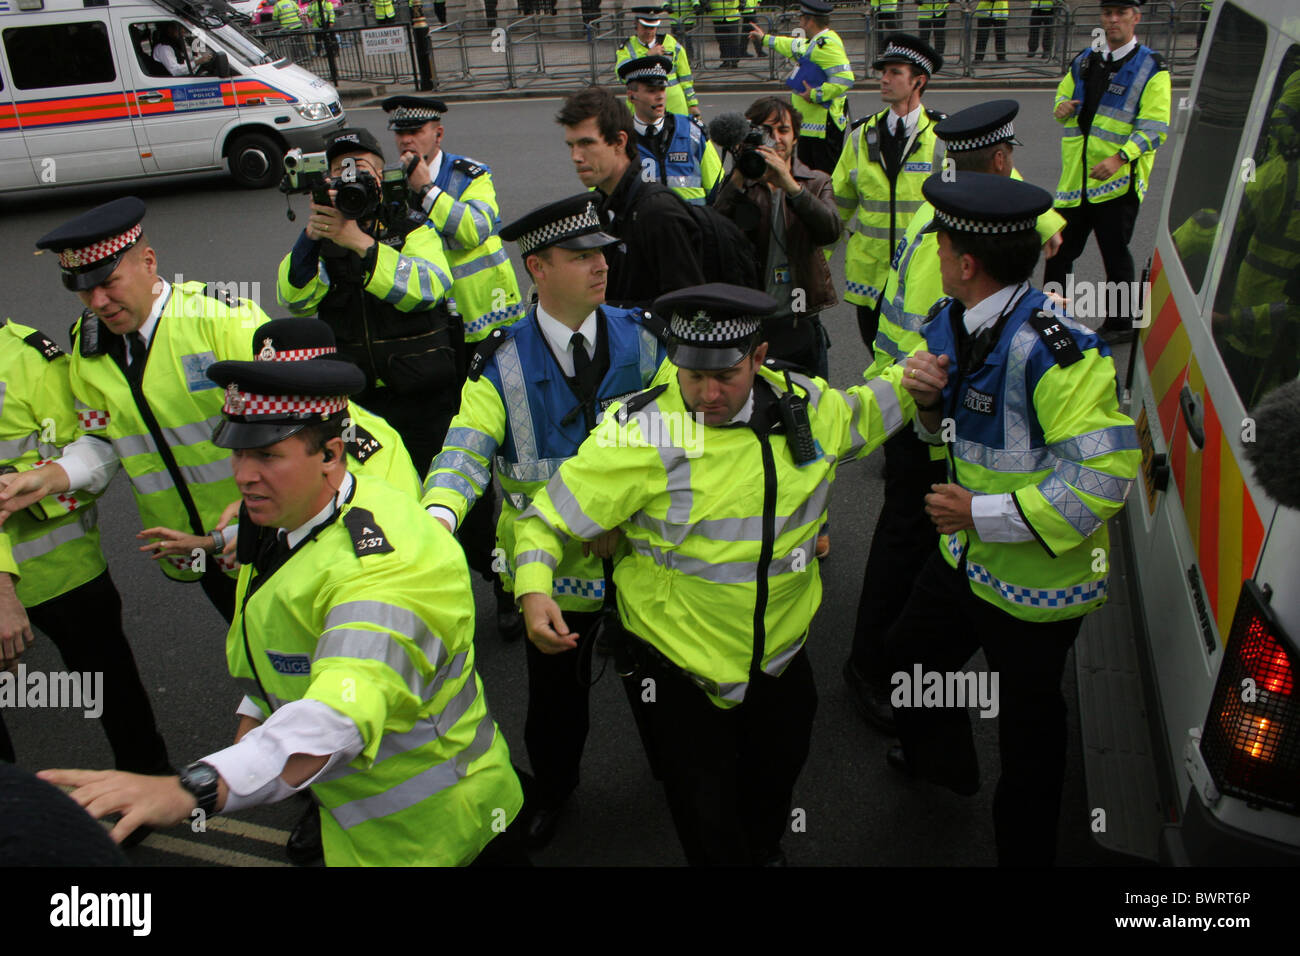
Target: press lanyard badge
<point>781,275</point>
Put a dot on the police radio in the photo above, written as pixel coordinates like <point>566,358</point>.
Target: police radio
<point>798,429</point>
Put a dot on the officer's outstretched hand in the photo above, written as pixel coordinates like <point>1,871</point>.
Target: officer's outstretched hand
<point>755,31</point>
<point>545,623</point>
<point>24,488</point>
<point>15,629</point>
<point>949,508</point>
<point>142,800</point>
<point>925,376</point>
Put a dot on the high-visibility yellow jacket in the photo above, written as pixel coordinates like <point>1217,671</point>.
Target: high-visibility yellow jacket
<point>929,9</point>
<point>286,14</point>
<point>721,522</point>
<point>829,102</point>
<point>376,450</point>
<point>680,96</point>
<point>876,208</point>
<point>1132,119</point>
<point>53,546</point>
<point>384,9</point>
<point>1032,423</point>
<point>373,616</point>
<point>162,428</point>
<point>464,211</point>
<point>993,9</point>
<point>724,10</point>
<point>321,13</point>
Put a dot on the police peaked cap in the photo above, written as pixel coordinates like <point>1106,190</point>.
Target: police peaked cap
<point>978,126</point>
<point>985,204</point>
<point>646,69</point>
<point>412,112</point>
<point>91,246</point>
<point>816,8</point>
<point>351,140</point>
<point>571,223</point>
<point>295,380</point>
<point>905,48</point>
<point>712,327</point>
<point>650,16</point>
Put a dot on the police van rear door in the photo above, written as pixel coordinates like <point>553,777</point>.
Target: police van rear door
<point>1222,334</point>
<point>70,95</point>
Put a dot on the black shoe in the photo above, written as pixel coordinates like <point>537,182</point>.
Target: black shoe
<point>896,757</point>
<point>871,702</point>
<point>304,846</point>
<point>542,827</point>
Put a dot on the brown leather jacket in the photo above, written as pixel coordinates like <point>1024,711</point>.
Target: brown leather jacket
<point>812,222</point>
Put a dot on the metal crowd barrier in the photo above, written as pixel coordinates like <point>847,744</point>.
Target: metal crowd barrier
<point>516,49</point>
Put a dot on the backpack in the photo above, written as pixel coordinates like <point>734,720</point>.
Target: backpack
<point>726,254</point>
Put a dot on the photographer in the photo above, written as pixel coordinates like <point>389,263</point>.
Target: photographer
<point>380,282</point>
<point>789,214</point>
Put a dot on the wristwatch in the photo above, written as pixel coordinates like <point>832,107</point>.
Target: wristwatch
<point>424,191</point>
<point>201,779</point>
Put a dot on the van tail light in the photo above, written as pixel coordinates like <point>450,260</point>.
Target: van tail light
<point>1251,740</point>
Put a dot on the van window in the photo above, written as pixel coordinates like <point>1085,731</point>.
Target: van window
<point>164,48</point>
<point>1222,105</point>
<point>1256,313</point>
<point>59,54</point>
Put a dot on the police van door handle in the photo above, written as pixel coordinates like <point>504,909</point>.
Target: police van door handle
<point>1193,415</point>
<point>149,97</point>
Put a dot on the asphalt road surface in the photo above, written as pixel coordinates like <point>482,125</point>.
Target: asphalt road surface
<point>857,811</point>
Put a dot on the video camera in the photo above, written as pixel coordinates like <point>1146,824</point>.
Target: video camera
<point>732,131</point>
<point>358,195</point>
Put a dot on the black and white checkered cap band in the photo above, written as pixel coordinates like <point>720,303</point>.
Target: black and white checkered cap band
<point>701,329</point>
<point>1005,131</point>
<point>560,229</point>
<point>916,57</point>
<point>650,20</point>
<point>655,72</point>
<point>413,114</point>
<point>959,224</point>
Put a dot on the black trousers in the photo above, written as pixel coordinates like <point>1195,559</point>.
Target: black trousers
<point>730,43</point>
<point>886,23</point>
<point>1112,222</point>
<point>869,323</point>
<point>821,153</point>
<point>85,624</point>
<point>941,628</point>
<point>925,25</point>
<point>555,729</point>
<point>421,420</point>
<point>999,28</point>
<point>1040,20</point>
<point>799,339</point>
<point>477,535</point>
<point>729,775</point>
<point>903,541</point>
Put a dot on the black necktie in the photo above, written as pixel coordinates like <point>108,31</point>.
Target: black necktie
<point>581,362</point>
<point>900,131</point>
<point>135,341</point>
<point>274,548</point>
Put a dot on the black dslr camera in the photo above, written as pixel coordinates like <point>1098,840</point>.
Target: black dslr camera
<point>358,195</point>
<point>749,161</point>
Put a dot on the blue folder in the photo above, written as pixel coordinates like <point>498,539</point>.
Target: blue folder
<point>808,71</point>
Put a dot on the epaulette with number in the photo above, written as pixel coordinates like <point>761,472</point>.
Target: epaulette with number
<point>936,115</point>
<point>858,122</point>
<point>49,349</point>
<point>495,339</point>
<point>221,295</point>
<point>470,168</point>
<point>655,326</point>
<point>367,536</point>
<point>638,402</point>
<point>1060,343</point>
<point>938,307</point>
<point>88,339</point>
<point>363,444</point>
<point>781,365</point>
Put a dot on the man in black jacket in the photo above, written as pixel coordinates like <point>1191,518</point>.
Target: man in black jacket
<point>659,248</point>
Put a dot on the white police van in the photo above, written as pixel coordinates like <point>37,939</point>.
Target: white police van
<point>84,99</point>
<point>1191,716</point>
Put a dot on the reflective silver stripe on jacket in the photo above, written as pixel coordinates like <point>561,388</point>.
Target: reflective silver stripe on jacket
<point>407,794</point>
<point>59,536</point>
<point>471,439</point>
<point>453,482</point>
<point>1073,596</point>
<point>730,530</point>
<point>155,481</point>
<point>15,448</point>
<point>539,469</point>
<point>515,393</point>
<point>647,355</point>
<point>527,557</point>
<point>1069,505</point>
<point>426,274</point>
<point>891,412</point>
<point>728,572</point>
<point>478,265</point>
<point>248,687</point>
<point>379,646</point>
<point>570,512</point>
<point>1092,482</point>
<point>464,463</point>
<point>194,433</point>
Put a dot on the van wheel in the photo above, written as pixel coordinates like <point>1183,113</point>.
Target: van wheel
<point>256,161</point>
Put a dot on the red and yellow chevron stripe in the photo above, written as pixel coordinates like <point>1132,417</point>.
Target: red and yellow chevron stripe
<point>66,110</point>
<point>1224,523</point>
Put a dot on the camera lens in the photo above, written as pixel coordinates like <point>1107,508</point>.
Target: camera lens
<point>751,164</point>
<point>355,199</point>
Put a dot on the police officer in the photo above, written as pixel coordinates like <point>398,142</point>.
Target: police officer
<point>980,140</point>
<point>888,18</point>
<point>534,395</point>
<point>353,644</point>
<point>680,85</point>
<point>460,199</point>
<point>726,27</point>
<point>719,480</point>
<point>382,287</point>
<point>991,15</point>
<point>1041,459</point>
<point>1041,14</point>
<point>1114,106</point>
<point>322,18</point>
<point>385,12</point>
<point>822,106</point>
<point>673,150</point>
<point>878,177</point>
<point>52,571</point>
<point>139,354</point>
<point>932,19</point>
